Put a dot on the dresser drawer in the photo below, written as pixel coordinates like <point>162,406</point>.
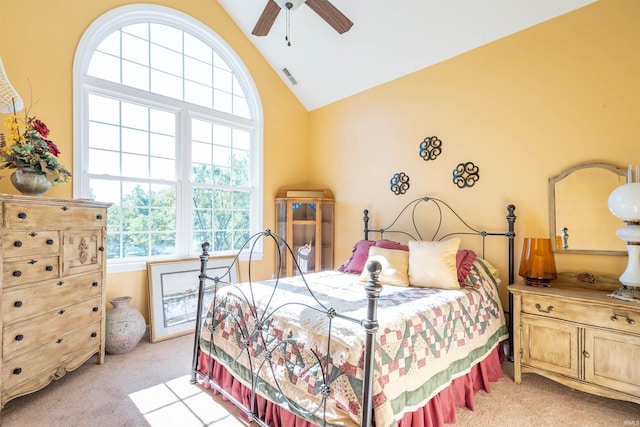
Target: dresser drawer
<point>50,356</point>
<point>31,243</point>
<point>29,270</point>
<point>32,216</point>
<point>35,332</point>
<point>28,301</point>
<point>606,316</point>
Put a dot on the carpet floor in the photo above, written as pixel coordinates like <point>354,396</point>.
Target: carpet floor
<point>150,387</point>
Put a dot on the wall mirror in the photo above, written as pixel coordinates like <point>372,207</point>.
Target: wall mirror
<point>579,219</point>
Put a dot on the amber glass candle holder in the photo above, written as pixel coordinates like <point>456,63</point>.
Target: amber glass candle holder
<point>537,265</point>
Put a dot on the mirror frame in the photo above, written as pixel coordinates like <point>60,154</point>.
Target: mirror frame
<point>552,205</point>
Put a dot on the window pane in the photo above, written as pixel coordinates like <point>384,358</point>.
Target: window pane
<point>105,110</point>
<point>135,49</point>
<point>166,60</point>
<point>105,67</point>
<point>135,166</point>
<point>162,146</point>
<point>162,169</point>
<point>103,162</point>
<point>104,136</point>
<point>166,84</point>
<point>135,116</point>
<point>135,75</point>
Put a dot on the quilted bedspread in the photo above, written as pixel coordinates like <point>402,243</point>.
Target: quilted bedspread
<point>280,334</point>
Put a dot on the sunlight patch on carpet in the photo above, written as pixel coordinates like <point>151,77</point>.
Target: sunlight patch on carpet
<point>178,402</point>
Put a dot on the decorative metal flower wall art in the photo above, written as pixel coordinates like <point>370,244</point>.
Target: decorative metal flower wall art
<point>430,148</point>
<point>399,183</point>
<point>466,175</point>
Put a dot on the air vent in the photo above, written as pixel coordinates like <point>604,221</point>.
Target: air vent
<point>289,76</point>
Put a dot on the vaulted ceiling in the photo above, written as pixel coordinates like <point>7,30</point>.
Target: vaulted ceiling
<point>388,39</point>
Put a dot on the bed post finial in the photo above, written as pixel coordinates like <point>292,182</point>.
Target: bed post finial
<point>365,219</point>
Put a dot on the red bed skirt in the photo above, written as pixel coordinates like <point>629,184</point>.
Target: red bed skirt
<point>440,410</point>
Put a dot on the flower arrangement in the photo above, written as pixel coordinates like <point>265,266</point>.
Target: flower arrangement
<point>26,147</point>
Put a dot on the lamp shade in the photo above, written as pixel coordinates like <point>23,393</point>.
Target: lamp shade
<point>538,264</point>
<point>624,202</point>
<point>10,101</point>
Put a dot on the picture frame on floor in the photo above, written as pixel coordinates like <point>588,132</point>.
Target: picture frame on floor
<point>173,293</point>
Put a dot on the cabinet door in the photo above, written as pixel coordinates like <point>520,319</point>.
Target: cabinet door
<point>83,251</point>
<point>551,345</point>
<point>611,360</point>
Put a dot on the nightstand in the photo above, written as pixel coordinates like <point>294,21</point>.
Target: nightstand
<point>578,337</point>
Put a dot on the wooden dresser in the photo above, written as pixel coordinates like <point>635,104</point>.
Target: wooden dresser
<point>578,337</point>
<point>52,289</point>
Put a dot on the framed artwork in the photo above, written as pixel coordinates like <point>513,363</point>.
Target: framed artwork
<point>173,293</point>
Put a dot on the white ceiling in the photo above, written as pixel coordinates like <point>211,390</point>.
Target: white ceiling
<point>389,38</point>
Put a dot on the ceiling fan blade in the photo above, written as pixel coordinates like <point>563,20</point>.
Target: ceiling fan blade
<point>331,14</point>
<point>267,18</point>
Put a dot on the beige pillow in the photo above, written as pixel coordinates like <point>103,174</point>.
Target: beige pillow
<point>433,264</point>
<point>395,266</point>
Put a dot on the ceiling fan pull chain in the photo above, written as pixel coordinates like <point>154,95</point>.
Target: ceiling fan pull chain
<point>287,37</point>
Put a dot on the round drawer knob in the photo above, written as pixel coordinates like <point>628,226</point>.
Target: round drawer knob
<point>17,371</point>
<point>22,215</point>
<point>17,273</point>
<point>17,304</point>
<point>59,340</point>
<point>98,217</point>
<point>61,311</point>
<point>49,268</point>
<point>94,334</point>
<point>19,337</point>
<point>95,309</point>
<point>631,321</point>
<point>17,243</point>
<point>49,242</point>
<point>94,284</point>
<point>586,354</point>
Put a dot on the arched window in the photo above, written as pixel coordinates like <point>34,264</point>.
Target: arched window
<point>167,127</point>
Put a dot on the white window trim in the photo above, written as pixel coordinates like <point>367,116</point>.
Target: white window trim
<point>132,14</point>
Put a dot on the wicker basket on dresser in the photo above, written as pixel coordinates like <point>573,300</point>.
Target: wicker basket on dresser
<point>52,289</point>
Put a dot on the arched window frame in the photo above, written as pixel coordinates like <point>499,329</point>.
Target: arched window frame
<point>145,13</point>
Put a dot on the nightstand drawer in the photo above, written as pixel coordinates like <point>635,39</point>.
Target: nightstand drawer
<point>611,316</point>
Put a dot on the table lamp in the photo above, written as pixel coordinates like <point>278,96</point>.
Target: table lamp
<point>537,264</point>
<point>624,203</point>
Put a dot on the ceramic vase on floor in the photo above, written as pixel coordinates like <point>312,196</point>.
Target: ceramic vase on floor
<point>124,326</point>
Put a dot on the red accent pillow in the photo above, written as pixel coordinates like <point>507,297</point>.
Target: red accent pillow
<point>390,244</point>
<point>464,262</point>
<point>359,257</point>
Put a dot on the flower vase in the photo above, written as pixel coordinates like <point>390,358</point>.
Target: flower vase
<point>30,183</point>
<point>124,326</point>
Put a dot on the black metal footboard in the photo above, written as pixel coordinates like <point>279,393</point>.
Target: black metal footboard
<point>256,344</point>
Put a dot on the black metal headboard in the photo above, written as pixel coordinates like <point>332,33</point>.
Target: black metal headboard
<point>466,230</point>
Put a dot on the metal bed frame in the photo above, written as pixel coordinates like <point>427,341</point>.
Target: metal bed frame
<point>373,288</point>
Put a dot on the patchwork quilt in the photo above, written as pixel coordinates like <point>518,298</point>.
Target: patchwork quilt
<point>299,342</point>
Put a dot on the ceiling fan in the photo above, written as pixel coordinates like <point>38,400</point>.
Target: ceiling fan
<point>324,8</point>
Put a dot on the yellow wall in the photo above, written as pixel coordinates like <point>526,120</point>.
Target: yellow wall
<point>38,39</point>
<point>522,109</point>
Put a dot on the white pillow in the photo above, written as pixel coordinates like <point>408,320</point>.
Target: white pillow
<point>395,266</point>
<point>433,264</point>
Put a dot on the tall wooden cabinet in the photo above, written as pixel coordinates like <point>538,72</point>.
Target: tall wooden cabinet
<point>52,289</point>
<point>578,337</point>
<point>305,219</point>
